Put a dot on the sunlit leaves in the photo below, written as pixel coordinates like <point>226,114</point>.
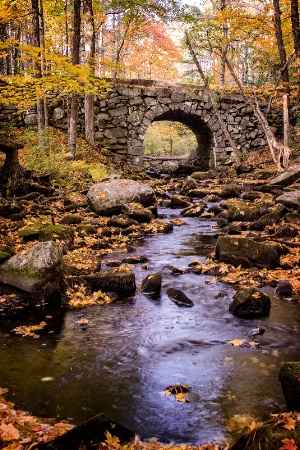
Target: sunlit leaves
<point>180,391</point>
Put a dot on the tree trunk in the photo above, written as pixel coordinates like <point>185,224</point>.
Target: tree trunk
<point>280,46</point>
<point>38,72</point>
<point>74,99</point>
<point>89,50</point>
<point>296,36</point>
<point>12,179</point>
<point>222,124</point>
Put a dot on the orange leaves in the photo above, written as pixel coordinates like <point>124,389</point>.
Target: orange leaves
<point>180,391</point>
<point>8,432</point>
<point>288,444</point>
<point>286,420</point>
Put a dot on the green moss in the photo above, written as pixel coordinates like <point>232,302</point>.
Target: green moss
<point>53,232</point>
<point>4,256</point>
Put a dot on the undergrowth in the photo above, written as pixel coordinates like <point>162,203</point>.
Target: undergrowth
<point>90,164</point>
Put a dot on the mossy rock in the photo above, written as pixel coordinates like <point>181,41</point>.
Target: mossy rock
<point>121,221</point>
<point>119,280</point>
<point>71,219</point>
<point>7,249</point>
<point>269,436</point>
<point>269,219</point>
<point>86,229</point>
<point>230,190</point>
<point>289,377</point>
<point>246,252</point>
<point>62,233</point>
<point>4,257</point>
<point>243,211</point>
<point>250,303</point>
<point>31,234</point>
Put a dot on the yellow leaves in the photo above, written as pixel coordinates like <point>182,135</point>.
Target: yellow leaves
<point>80,299</point>
<point>180,391</point>
<point>237,342</point>
<point>286,420</point>
<point>254,425</point>
<point>8,432</point>
<point>30,330</point>
<point>112,441</point>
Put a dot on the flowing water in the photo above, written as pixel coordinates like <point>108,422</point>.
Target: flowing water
<point>131,351</point>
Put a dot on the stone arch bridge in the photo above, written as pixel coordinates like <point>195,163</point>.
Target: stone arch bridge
<point>123,115</point>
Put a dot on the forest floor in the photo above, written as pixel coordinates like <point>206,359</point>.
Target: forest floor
<point>71,179</point>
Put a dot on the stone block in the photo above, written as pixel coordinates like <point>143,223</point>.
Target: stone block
<point>122,111</point>
<point>115,133</point>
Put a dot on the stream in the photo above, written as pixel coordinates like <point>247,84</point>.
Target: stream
<point>131,351</point>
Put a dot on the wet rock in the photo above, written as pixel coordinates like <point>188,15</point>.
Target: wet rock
<point>179,297</point>
<point>113,263</point>
<point>159,226</point>
<point>287,178</point>
<point>258,331</point>
<point>214,209</point>
<point>71,219</point>
<point>194,210</point>
<point>135,260</point>
<point>37,272</point>
<point>190,183</point>
<point>230,190</point>
<point>107,198</point>
<point>292,218</point>
<point>138,213</point>
<point>89,435</point>
<point>151,285</point>
<point>212,198</point>
<point>120,280</point>
<point>250,303</point>
<point>287,231</point>
<point>243,211</point>
<point>269,219</point>
<point>266,437</point>
<point>245,251</point>
<point>232,229</point>
<point>289,377</point>
<point>290,199</point>
<point>180,201</point>
<point>284,288</point>
<point>121,221</point>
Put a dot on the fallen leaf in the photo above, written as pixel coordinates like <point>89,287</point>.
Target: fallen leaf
<point>8,432</point>
<point>289,444</point>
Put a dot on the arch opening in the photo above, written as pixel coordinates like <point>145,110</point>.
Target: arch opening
<point>201,144</point>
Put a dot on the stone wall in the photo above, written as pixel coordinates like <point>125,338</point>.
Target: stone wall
<point>123,115</point>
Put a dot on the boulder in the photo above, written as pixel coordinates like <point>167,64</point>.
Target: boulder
<point>195,210</point>
<point>135,260</point>
<point>89,435</point>
<point>269,219</point>
<point>246,252</point>
<point>62,233</point>
<point>121,221</point>
<point>289,377</point>
<point>180,201</point>
<point>287,178</point>
<point>243,211</point>
<point>37,272</point>
<point>179,297</point>
<point>136,211</point>
<point>290,199</point>
<point>107,198</point>
<point>284,288</point>
<point>250,303</point>
<point>151,285</point>
<point>120,280</point>
<point>230,190</point>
